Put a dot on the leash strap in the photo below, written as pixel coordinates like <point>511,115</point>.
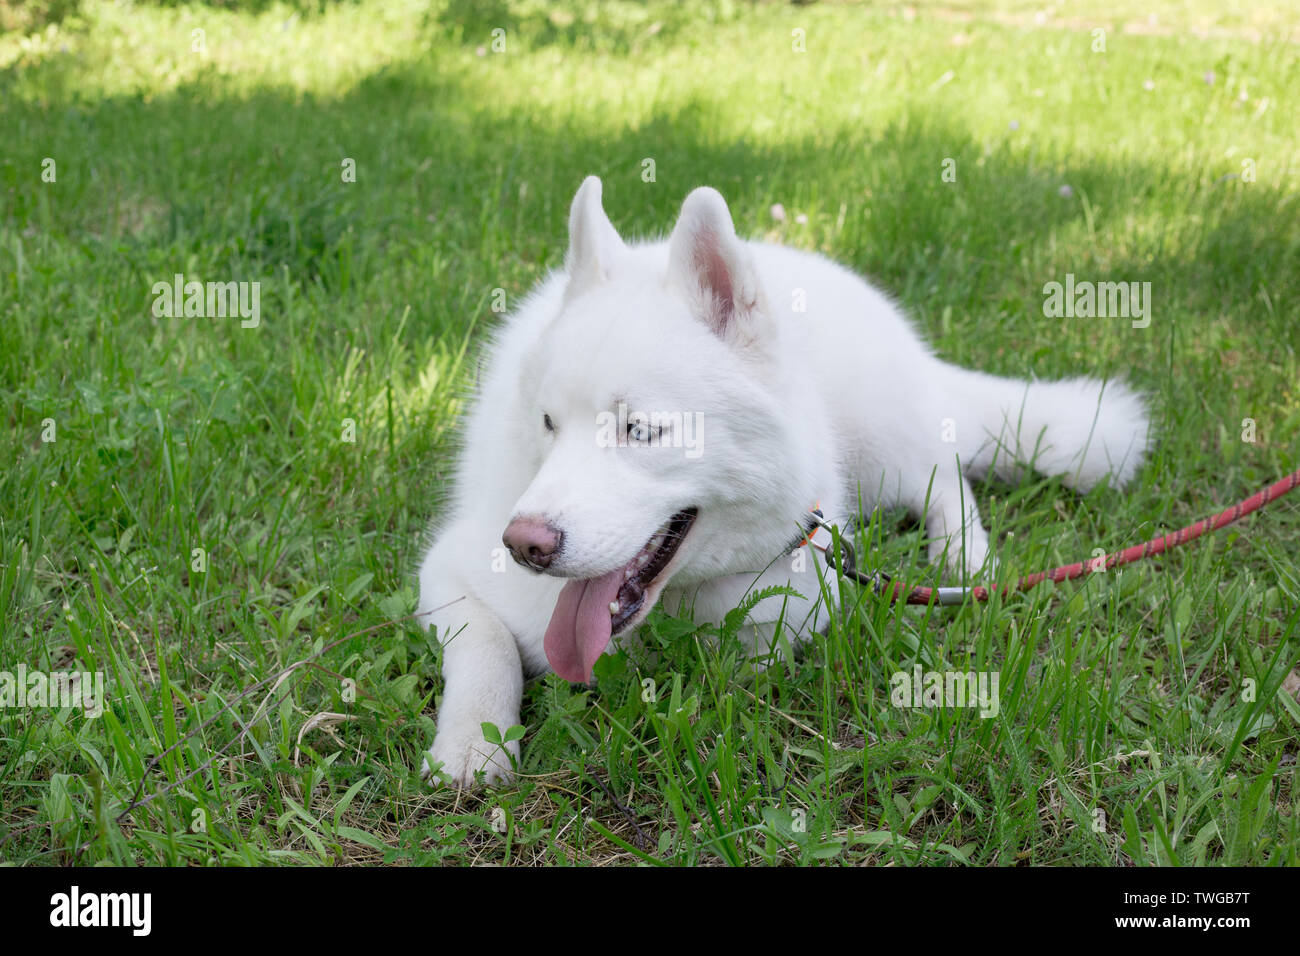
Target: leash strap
<point>822,536</point>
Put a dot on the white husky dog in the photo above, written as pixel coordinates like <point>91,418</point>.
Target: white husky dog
<point>658,419</point>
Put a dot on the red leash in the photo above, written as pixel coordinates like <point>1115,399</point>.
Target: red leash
<point>897,591</point>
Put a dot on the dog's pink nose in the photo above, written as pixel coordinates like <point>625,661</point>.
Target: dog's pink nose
<point>533,542</point>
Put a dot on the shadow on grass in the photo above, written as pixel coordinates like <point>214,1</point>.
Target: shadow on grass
<point>455,195</point>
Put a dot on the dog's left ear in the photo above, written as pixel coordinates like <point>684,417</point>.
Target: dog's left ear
<point>594,243</point>
<point>712,267</point>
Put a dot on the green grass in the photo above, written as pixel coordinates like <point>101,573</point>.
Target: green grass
<point>1152,700</point>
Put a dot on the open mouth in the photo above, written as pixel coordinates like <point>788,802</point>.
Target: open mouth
<point>590,611</point>
<point>641,571</point>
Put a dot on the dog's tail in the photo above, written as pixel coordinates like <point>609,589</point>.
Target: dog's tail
<point>1080,429</point>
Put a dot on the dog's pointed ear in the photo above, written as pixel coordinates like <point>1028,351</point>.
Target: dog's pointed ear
<point>712,267</point>
<point>594,244</point>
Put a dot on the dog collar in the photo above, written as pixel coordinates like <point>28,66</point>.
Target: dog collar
<point>816,532</point>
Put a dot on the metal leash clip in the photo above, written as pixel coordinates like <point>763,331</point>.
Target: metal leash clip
<point>823,536</point>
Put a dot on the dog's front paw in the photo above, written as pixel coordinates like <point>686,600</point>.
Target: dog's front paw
<point>969,557</point>
<point>460,753</point>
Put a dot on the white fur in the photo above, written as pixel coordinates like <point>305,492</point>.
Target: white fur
<point>839,402</point>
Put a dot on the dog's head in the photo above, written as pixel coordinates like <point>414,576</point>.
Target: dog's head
<point>652,411</point>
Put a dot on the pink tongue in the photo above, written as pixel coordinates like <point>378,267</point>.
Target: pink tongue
<point>580,626</point>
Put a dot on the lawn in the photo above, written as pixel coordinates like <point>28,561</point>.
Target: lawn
<point>225,519</point>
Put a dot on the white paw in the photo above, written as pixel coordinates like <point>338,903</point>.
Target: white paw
<point>971,557</point>
<point>991,568</point>
<point>463,752</point>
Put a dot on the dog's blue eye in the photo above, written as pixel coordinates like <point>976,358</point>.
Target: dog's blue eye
<point>639,432</point>
<point>550,425</point>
